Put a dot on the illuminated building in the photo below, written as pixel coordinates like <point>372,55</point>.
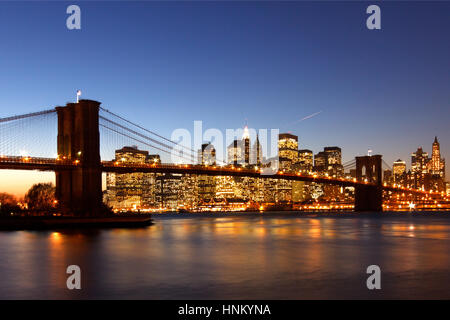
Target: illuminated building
<point>288,157</point>
<point>419,168</point>
<point>287,151</point>
<point>224,188</point>
<point>297,191</point>
<point>334,155</point>
<point>246,143</point>
<point>190,191</point>
<point>436,168</point>
<point>329,161</point>
<point>256,153</point>
<point>207,184</point>
<point>387,176</point>
<point>437,164</point>
<point>168,190</point>
<point>270,190</point>
<point>235,152</point>
<point>288,146</point>
<point>399,172</point>
<point>306,161</point>
<point>206,187</point>
<point>238,152</point>
<point>334,161</point>
<point>130,191</point>
<point>320,162</point>
<point>207,155</point>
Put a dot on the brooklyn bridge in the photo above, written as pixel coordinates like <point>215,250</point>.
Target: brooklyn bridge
<point>84,131</point>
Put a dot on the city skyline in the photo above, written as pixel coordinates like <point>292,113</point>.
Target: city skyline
<point>24,179</point>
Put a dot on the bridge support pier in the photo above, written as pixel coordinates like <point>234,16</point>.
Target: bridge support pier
<point>79,190</point>
<point>369,197</point>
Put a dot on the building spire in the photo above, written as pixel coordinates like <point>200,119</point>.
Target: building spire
<point>246,134</point>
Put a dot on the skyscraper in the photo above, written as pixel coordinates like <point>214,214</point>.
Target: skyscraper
<point>256,153</point>
<point>246,143</point>
<point>288,147</point>
<point>334,155</point>
<point>437,164</point>
<point>238,152</point>
<point>207,155</point>
<point>436,168</point>
<point>419,168</point>
<point>329,161</point>
<point>334,161</point>
<point>399,172</point>
<point>305,158</point>
<point>435,157</point>
<point>235,152</point>
<point>320,162</point>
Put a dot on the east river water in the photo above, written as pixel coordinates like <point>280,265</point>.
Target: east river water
<point>235,256</point>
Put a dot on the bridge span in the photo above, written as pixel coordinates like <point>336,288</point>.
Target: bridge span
<point>78,167</point>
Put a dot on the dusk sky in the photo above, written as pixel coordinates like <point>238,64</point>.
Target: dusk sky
<point>165,64</point>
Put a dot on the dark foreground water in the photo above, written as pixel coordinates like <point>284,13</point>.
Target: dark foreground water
<point>234,257</point>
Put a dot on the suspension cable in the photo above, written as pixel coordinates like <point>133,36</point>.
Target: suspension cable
<point>140,141</point>
<point>149,131</point>
<point>139,134</point>
<point>28,115</point>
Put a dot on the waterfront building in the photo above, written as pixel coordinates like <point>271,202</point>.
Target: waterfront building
<point>169,190</point>
<point>129,191</point>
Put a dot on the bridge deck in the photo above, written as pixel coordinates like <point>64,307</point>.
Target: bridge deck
<point>52,164</point>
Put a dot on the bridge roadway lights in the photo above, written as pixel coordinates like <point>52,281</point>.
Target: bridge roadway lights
<point>79,190</point>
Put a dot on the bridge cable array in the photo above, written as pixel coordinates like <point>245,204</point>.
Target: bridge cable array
<point>138,133</point>
<point>29,134</point>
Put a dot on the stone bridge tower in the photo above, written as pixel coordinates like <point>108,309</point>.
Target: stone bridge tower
<point>79,190</point>
<point>369,197</point>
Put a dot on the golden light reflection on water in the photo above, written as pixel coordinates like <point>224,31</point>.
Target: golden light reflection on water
<point>236,253</point>
<point>439,232</point>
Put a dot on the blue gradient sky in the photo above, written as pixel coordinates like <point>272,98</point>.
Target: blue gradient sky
<point>166,64</point>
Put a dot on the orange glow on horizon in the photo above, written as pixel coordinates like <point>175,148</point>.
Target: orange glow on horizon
<point>17,182</point>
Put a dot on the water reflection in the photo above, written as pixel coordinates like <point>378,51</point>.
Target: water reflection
<point>243,256</point>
